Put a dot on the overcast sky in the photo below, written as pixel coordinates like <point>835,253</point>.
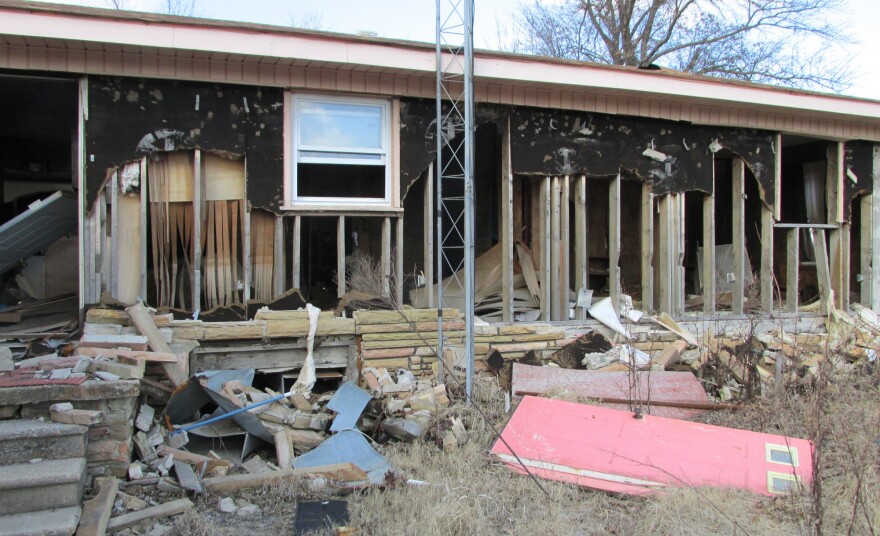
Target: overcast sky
<point>415,20</point>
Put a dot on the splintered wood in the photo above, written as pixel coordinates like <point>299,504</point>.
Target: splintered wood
<point>263,254</point>
<point>172,199</point>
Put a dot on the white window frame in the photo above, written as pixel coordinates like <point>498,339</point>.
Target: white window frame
<point>292,118</point>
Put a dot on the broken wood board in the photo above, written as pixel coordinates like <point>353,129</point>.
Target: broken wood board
<point>656,388</point>
<point>97,510</point>
<point>609,450</point>
<point>153,513</point>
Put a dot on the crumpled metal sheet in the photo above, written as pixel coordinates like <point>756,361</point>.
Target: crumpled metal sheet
<point>184,404</point>
<point>32,231</point>
<point>348,402</point>
<point>348,446</point>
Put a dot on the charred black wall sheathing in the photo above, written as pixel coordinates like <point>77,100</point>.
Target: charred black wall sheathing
<point>859,159</point>
<point>559,142</point>
<point>133,117</point>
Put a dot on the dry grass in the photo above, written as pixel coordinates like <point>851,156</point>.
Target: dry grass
<point>469,494</point>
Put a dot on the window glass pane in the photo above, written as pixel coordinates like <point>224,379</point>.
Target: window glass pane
<point>780,456</point>
<point>334,154</point>
<point>331,180</point>
<point>336,124</point>
<point>781,485</point>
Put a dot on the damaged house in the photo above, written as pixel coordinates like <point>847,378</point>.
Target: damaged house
<point>226,174</point>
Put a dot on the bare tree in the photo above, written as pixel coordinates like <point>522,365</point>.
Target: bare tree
<point>182,8</point>
<point>307,20</point>
<point>784,42</point>
<point>120,4</point>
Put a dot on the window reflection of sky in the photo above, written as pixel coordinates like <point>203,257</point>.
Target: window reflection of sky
<point>330,124</point>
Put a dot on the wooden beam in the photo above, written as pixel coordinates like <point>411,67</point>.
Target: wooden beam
<point>398,262</point>
<point>428,251</point>
<point>114,235</point>
<point>822,272</point>
<point>646,239</point>
<point>197,233</point>
<point>766,258</point>
<point>843,263</point>
<point>866,232</point>
<point>777,185</point>
<point>555,237</point>
<point>340,256</point>
<point>564,247</point>
<point>296,253</point>
<point>875,234</point>
<point>614,242</point>
<point>153,513</point>
<point>792,269</point>
<point>739,234</point>
<point>665,237</point>
<point>708,260</point>
<point>278,261</point>
<point>581,263</point>
<point>103,276</point>
<point>141,318</point>
<point>834,178</point>
<point>386,255</point>
<point>144,238</point>
<point>97,510</point>
<point>506,228</point>
<point>545,202</point>
<point>679,255</point>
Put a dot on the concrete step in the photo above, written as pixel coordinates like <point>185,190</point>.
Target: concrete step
<point>58,522</point>
<point>25,440</point>
<point>30,487</point>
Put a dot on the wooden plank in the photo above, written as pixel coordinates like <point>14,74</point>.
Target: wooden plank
<point>96,511</point>
<point>777,202</point>
<point>144,230</point>
<point>564,247</point>
<point>664,264</point>
<point>766,258</point>
<point>428,244</point>
<point>866,232</point>
<point>614,242</point>
<point>186,477</point>
<point>739,233</point>
<point>340,257</point>
<point>506,227</point>
<point>646,238</point>
<point>398,262</point>
<point>679,255</point>
<point>707,263</point>
<point>153,513</point>
<point>386,255</point>
<point>153,357</point>
<point>822,270</point>
<point>834,177</point>
<point>140,317</point>
<point>246,266</point>
<point>844,262</point>
<point>196,275</point>
<point>278,264</point>
<point>555,238</point>
<point>792,269</point>
<point>875,233</point>
<point>581,263</point>
<point>545,204</point>
<point>835,263</point>
<point>296,254</point>
<point>269,356</point>
<point>115,239</point>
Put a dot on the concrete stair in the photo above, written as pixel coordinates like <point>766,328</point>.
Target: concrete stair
<point>42,472</point>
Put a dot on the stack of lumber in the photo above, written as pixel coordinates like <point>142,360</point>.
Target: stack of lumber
<point>513,342</point>
<point>265,325</point>
<point>405,339</point>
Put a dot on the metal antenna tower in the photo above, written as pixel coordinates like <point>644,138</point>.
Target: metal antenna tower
<point>455,165</point>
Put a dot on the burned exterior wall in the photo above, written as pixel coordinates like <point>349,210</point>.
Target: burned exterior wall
<point>134,117</point>
<point>559,142</point>
<point>858,172</point>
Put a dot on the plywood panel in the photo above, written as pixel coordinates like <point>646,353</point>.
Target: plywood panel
<point>224,178</point>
